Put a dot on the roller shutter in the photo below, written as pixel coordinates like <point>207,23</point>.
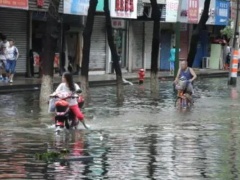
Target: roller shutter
<point>13,23</point>
<point>137,44</point>
<point>98,45</point>
<point>148,44</point>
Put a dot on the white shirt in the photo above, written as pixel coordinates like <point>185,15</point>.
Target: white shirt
<point>63,88</point>
<point>3,50</point>
<point>12,53</point>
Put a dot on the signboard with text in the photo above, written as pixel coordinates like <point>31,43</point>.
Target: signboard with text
<point>171,10</point>
<point>15,4</point>
<point>76,7</point>
<point>123,9</point>
<point>118,24</point>
<point>193,11</point>
<point>222,12</point>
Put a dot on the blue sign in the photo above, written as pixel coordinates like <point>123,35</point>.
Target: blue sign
<point>77,7</point>
<point>222,12</point>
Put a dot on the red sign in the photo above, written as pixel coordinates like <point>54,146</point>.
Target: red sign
<point>16,4</point>
<point>193,11</point>
<point>118,24</point>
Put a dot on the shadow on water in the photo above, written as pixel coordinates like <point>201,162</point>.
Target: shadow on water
<point>143,138</point>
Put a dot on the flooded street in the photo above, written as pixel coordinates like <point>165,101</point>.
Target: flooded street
<point>144,138</point>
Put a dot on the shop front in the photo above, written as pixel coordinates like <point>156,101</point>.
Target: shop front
<point>14,24</point>
<point>119,33</point>
<point>136,45</point>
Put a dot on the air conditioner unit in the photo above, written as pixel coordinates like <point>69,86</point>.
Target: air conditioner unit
<point>205,62</point>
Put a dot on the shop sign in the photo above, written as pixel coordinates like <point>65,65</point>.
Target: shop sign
<point>76,7</point>
<point>118,24</point>
<point>15,4</point>
<point>233,9</point>
<point>184,11</point>
<point>171,10</point>
<point>100,6</point>
<point>222,12</point>
<point>193,11</point>
<point>123,9</point>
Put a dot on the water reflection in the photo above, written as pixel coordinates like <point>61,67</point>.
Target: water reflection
<point>144,138</point>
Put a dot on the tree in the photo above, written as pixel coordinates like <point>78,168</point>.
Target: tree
<point>156,15</point>
<point>196,33</point>
<point>115,57</point>
<point>87,33</point>
<point>48,52</point>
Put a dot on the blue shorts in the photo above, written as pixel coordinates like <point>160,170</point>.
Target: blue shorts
<point>172,63</point>
<point>10,66</point>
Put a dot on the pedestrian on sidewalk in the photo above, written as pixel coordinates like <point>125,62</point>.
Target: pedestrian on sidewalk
<point>4,44</point>
<point>12,56</point>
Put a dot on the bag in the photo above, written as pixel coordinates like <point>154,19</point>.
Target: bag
<point>51,105</point>
<point>15,52</point>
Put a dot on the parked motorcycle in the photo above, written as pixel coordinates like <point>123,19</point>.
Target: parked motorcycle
<point>64,117</point>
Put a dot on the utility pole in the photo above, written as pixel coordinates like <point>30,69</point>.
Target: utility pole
<point>234,60</point>
<point>177,39</point>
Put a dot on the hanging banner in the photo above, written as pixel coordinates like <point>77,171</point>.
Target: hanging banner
<point>193,11</point>
<point>171,10</point>
<point>184,12</point>
<point>100,6</point>
<point>15,4</point>
<point>233,10</point>
<point>222,12</point>
<point>76,7</point>
<point>124,9</point>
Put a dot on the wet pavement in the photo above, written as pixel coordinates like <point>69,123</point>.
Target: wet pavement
<point>95,80</point>
<point>144,138</point>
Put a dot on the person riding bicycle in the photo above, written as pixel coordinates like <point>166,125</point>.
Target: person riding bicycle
<point>69,87</point>
<point>188,74</point>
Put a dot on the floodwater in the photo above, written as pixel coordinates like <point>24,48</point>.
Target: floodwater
<point>144,138</point>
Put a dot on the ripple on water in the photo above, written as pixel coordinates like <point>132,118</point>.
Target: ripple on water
<point>145,138</point>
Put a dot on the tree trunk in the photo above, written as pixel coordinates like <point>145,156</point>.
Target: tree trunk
<point>196,34</point>
<point>48,51</point>
<point>115,57</point>
<point>87,33</point>
<point>156,15</point>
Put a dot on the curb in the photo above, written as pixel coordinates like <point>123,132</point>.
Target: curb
<point>36,87</point>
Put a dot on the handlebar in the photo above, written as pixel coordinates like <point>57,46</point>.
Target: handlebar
<point>68,97</point>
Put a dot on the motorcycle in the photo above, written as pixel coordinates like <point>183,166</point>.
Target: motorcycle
<point>64,117</point>
<point>184,98</point>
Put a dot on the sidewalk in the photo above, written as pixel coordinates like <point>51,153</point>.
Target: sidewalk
<point>25,84</point>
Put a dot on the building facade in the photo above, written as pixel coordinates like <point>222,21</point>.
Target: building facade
<point>133,37</point>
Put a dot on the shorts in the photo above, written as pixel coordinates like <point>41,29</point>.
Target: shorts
<point>10,66</point>
<point>190,88</point>
<point>172,63</point>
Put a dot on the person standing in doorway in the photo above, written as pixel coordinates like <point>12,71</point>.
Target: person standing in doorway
<point>12,56</point>
<point>172,59</point>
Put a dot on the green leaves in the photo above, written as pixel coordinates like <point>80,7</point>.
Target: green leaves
<point>51,156</point>
<point>227,31</point>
